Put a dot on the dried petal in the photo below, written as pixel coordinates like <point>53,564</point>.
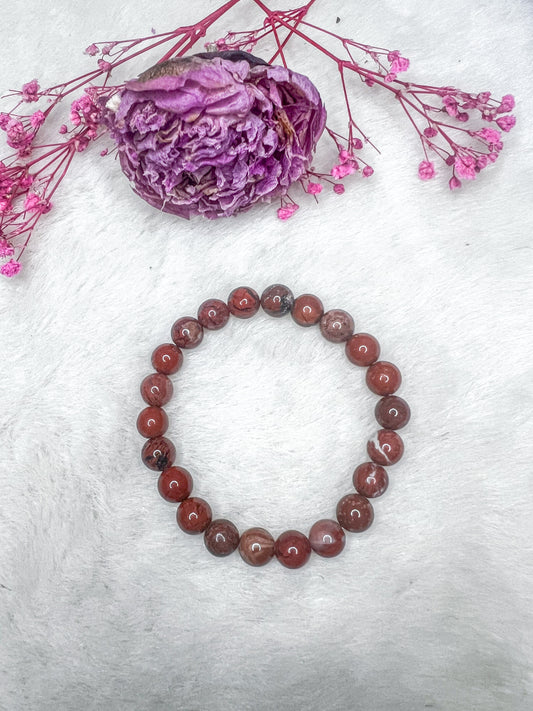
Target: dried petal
<point>214,133</point>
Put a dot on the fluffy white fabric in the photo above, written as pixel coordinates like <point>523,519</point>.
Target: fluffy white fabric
<point>104,602</point>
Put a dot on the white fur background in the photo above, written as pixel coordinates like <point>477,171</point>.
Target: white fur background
<point>104,602</point>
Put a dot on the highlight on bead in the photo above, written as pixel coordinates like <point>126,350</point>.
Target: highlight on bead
<point>182,157</point>
<point>354,512</point>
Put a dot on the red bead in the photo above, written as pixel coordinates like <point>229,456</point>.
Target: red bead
<point>392,412</point>
<point>187,332</point>
<point>355,513</point>
<point>277,300</point>
<point>293,549</point>
<point>175,484</point>
<point>167,358</point>
<point>244,302</point>
<point>158,453</point>
<point>327,538</point>
<point>307,310</point>
<point>213,314</point>
<point>383,378</point>
<point>152,422</point>
<point>385,447</point>
<point>156,389</point>
<point>193,515</point>
<point>362,349</point>
<point>221,537</point>
<point>256,546</point>
<point>370,480</point>
<point>336,326</point>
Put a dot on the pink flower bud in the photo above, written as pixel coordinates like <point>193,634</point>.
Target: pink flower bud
<point>426,170</point>
<point>454,183</point>
<point>506,122</point>
<point>10,268</point>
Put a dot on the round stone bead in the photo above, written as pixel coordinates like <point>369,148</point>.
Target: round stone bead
<point>307,310</point>
<point>213,314</point>
<point>244,302</point>
<point>158,453</point>
<point>362,349</point>
<point>327,538</point>
<point>277,300</point>
<point>293,549</point>
<point>370,480</point>
<point>336,326</point>
<point>383,378</point>
<point>156,389</point>
<point>152,422</point>
<point>221,537</point>
<point>392,412</point>
<point>167,359</point>
<point>256,546</point>
<point>385,447</point>
<point>175,484</point>
<point>355,513</point>
<point>187,332</point>
<point>193,515</point>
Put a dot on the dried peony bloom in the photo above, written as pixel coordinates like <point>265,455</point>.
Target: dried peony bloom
<point>213,133</point>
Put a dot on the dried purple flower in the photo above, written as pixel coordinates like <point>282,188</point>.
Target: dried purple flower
<point>214,133</point>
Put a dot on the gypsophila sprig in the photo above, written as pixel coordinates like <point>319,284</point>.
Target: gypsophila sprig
<point>184,157</point>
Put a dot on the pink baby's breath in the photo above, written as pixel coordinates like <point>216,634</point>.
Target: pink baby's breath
<point>30,91</point>
<point>6,250</point>
<point>11,268</point>
<point>506,123</point>
<point>314,188</point>
<point>426,170</point>
<point>454,183</point>
<point>92,50</point>
<point>465,167</point>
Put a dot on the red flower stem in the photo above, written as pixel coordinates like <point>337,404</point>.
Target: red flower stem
<point>200,29</point>
<point>350,117</point>
<point>297,32</point>
<point>299,19</point>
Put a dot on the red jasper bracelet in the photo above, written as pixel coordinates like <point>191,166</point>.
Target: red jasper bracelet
<point>354,511</point>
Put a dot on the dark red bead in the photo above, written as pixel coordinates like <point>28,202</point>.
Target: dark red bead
<point>213,314</point>
<point>158,453</point>
<point>244,302</point>
<point>152,422</point>
<point>187,332</point>
<point>355,513</point>
<point>370,480</point>
<point>385,447</point>
<point>293,549</point>
<point>167,358</point>
<point>221,537</point>
<point>175,484</point>
<point>336,325</point>
<point>193,515</point>
<point>256,546</point>
<point>362,349</point>
<point>277,300</point>
<point>156,389</point>
<point>307,310</point>
<point>383,378</point>
<point>392,412</point>
<point>327,538</point>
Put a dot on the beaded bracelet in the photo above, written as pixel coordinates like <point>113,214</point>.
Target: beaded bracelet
<point>354,511</point>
